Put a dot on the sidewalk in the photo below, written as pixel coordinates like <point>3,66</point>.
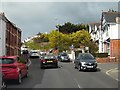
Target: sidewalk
<point>111,69</point>
<point>113,73</point>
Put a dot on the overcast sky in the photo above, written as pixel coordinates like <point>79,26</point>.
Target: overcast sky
<point>34,17</point>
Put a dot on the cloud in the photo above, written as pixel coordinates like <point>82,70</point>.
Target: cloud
<point>34,17</point>
<point>60,0</point>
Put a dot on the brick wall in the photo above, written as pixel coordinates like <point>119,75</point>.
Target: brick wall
<point>106,60</point>
<point>13,40</point>
<point>115,49</point>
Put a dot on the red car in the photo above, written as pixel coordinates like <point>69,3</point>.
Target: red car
<point>13,68</point>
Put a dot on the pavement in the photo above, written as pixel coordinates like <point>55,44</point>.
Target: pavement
<point>111,69</point>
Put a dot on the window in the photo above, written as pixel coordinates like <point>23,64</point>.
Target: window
<point>6,61</point>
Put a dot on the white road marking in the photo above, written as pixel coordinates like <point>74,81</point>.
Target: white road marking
<point>117,79</point>
<point>29,62</point>
<point>107,72</point>
<point>77,83</point>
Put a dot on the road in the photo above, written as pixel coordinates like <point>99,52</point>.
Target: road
<point>64,77</point>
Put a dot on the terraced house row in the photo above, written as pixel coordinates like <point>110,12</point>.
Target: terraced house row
<point>10,37</point>
<point>106,33</point>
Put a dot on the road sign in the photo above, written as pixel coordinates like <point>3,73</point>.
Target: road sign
<point>72,46</point>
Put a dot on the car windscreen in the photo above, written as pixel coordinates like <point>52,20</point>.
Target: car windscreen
<point>34,52</point>
<point>6,61</point>
<point>63,54</point>
<point>86,56</point>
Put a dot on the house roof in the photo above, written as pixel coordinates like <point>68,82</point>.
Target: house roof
<point>2,16</point>
<point>110,17</point>
<point>97,24</point>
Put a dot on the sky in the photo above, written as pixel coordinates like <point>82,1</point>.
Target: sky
<point>34,17</point>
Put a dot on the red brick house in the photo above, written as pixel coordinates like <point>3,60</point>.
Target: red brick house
<point>10,37</point>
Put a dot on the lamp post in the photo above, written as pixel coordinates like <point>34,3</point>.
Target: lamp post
<point>57,26</point>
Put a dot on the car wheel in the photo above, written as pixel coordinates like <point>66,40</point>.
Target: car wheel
<point>42,67</point>
<point>19,80</point>
<point>79,67</point>
<point>95,70</point>
<point>4,86</point>
<point>56,66</point>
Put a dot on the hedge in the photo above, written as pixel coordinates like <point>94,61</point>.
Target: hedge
<point>100,55</point>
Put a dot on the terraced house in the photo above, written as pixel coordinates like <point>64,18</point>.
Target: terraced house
<point>110,27</point>
<point>10,37</point>
<point>107,33</point>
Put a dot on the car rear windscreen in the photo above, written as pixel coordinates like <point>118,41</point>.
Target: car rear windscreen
<point>49,57</point>
<point>6,61</point>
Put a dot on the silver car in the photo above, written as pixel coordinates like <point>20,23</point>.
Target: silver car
<point>85,61</point>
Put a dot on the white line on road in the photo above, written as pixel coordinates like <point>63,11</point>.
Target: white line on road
<point>29,62</point>
<point>77,83</point>
<point>117,79</point>
<point>107,72</point>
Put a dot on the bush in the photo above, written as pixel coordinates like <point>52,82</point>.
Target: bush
<point>22,60</point>
<point>100,55</point>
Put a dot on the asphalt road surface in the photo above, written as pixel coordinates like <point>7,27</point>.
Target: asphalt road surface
<point>64,77</point>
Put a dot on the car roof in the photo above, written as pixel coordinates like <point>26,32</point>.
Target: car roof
<point>8,57</point>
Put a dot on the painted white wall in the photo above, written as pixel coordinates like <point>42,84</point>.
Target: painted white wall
<point>2,37</point>
<point>115,31</point>
<point>93,35</point>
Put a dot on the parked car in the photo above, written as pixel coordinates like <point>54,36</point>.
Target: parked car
<point>34,54</point>
<point>63,57</point>
<point>42,52</point>
<point>13,68</point>
<point>48,61</point>
<point>4,83</point>
<point>85,61</point>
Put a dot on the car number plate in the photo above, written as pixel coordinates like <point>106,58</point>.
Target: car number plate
<point>89,66</point>
<point>49,61</point>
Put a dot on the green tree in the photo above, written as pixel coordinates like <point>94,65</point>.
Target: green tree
<point>80,37</point>
<point>93,48</point>
<point>33,45</point>
<point>54,38</point>
<point>41,38</point>
<point>59,40</point>
<point>68,27</point>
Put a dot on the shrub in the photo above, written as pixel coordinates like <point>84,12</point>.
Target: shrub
<point>22,60</point>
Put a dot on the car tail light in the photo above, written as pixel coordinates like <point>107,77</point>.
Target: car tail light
<point>43,60</point>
